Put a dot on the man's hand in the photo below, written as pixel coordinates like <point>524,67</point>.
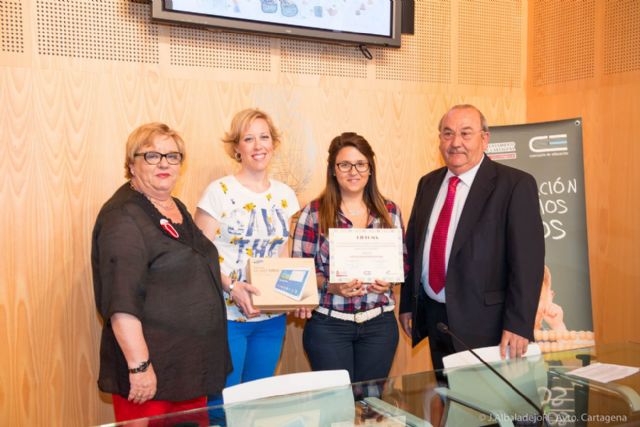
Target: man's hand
<point>517,345</point>
<point>405,322</point>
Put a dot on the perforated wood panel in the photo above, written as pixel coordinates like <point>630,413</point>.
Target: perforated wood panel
<point>303,57</point>
<point>424,56</point>
<point>563,41</point>
<point>11,34</point>
<point>197,47</point>
<point>490,48</point>
<point>115,30</point>
<point>621,36</point>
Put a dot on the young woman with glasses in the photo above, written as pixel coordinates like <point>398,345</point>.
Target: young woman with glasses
<point>334,337</point>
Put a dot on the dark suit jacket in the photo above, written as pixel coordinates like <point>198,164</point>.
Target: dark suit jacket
<point>496,263</point>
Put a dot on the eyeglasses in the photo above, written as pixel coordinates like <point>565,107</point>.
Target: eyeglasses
<point>154,158</point>
<point>347,166</point>
<point>466,134</point>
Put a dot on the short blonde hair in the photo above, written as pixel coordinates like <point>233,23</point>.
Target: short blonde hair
<point>239,124</point>
<point>142,137</point>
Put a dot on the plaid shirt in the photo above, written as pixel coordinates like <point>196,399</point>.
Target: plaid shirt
<point>308,242</point>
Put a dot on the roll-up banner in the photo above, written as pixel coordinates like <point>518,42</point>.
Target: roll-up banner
<point>552,153</point>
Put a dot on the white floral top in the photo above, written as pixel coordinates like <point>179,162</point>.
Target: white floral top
<point>250,225</point>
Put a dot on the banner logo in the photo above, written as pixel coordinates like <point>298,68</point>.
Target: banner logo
<point>544,144</point>
<point>502,150</point>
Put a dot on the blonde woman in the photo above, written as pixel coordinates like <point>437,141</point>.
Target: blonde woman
<point>246,215</point>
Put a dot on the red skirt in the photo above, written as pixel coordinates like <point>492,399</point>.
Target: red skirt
<point>125,411</point>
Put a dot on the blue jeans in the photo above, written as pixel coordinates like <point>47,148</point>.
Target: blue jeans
<point>255,349</point>
<point>365,349</point>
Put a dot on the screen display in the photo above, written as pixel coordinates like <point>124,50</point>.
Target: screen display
<point>362,16</point>
<point>352,21</point>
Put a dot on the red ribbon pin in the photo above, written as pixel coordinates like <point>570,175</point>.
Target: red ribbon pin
<point>166,226</point>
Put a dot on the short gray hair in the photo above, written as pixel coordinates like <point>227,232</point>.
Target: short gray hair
<point>483,119</point>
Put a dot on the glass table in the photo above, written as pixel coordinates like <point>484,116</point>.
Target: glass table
<point>472,395</point>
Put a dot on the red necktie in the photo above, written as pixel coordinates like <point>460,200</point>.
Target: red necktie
<point>437,254</point>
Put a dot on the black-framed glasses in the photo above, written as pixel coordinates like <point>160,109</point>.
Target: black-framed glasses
<point>466,134</point>
<point>153,157</point>
<point>347,166</point>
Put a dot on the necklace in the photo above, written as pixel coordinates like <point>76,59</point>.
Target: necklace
<point>356,212</point>
<point>156,202</point>
<point>168,206</point>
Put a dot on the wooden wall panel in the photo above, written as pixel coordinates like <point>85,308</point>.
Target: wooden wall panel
<point>487,54</point>
<point>603,89</point>
<point>65,113</point>
<point>562,41</point>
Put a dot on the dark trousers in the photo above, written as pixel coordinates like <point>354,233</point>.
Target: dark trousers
<point>365,349</point>
<point>440,343</point>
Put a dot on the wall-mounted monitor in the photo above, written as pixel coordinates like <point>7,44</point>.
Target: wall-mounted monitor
<point>359,22</point>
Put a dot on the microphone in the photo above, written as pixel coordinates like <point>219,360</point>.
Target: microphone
<point>445,329</point>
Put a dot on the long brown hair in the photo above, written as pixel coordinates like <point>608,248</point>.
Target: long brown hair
<point>331,198</point>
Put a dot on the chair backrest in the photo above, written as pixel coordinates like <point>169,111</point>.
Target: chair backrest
<point>285,384</point>
<point>333,406</point>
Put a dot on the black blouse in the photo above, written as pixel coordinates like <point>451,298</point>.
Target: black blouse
<point>172,285</point>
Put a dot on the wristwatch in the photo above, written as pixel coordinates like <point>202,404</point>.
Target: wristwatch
<point>141,368</point>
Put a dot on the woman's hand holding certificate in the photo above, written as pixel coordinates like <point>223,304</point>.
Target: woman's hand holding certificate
<point>379,286</point>
<point>354,288</point>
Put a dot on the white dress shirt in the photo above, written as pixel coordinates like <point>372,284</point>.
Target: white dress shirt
<point>462,191</point>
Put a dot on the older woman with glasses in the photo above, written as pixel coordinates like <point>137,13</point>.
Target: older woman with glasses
<point>158,289</point>
<point>332,338</point>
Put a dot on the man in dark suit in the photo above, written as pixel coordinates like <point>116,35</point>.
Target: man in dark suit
<point>476,247</point>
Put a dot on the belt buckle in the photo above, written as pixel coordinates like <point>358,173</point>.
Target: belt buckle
<point>361,317</point>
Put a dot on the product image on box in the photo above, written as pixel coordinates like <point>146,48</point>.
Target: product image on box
<point>285,284</point>
<point>291,283</point>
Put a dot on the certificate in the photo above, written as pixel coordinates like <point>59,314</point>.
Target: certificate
<point>365,254</point>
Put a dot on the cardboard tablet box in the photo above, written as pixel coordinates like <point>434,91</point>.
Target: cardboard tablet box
<point>284,283</point>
